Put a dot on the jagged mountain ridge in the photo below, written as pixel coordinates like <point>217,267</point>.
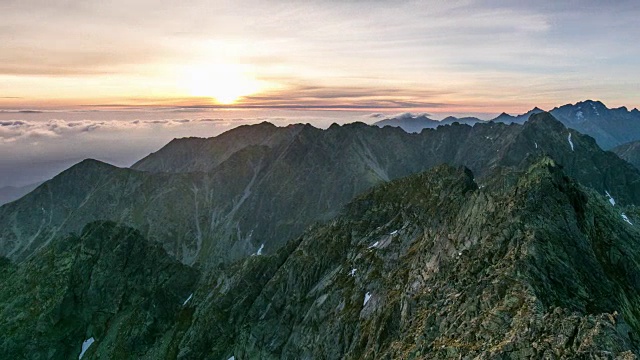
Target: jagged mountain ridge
<point>428,266</point>
<point>610,127</point>
<point>264,195</point>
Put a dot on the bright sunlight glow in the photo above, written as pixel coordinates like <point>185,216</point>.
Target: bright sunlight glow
<point>225,83</point>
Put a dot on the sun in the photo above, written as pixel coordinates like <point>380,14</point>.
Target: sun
<point>225,83</point>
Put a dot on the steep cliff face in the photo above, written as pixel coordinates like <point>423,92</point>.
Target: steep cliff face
<point>109,284</point>
<point>268,192</point>
<point>427,266</point>
<point>431,266</point>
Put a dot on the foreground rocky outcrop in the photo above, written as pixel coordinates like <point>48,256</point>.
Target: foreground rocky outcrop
<point>428,266</point>
<point>433,267</point>
<point>109,285</point>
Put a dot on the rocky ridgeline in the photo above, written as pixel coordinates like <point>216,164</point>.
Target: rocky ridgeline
<point>109,284</point>
<point>427,266</point>
<point>609,127</point>
<point>264,185</point>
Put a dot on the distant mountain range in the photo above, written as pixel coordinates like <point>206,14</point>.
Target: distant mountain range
<point>489,240</point>
<point>209,206</point>
<point>610,127</point>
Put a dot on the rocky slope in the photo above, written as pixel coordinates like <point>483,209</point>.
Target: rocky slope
<point>268,192</point>
<point>108,285</point>
<point>430,266</point>
<point>629,152</point>
<point>610,127</point>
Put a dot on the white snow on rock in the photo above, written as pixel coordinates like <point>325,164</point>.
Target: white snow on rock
<point>579,115</point>
<point>536,144</point>
<point>611,199</point>
<point>393,232</point>
<point>570,142</point>
<point>186,301</point>
<point>232,358</point>
<point>353,272</point>
<point>259,252</point>
<point>367,297</point>
<point>374,245</point>
<point>85,346</point>
<point>625,218</point>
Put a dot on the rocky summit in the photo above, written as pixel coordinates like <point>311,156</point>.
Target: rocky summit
<point>356,242</point>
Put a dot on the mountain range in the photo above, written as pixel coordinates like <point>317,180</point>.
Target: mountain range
<point>610,127</point>
<point>489,240</point>
<point>281,181</point>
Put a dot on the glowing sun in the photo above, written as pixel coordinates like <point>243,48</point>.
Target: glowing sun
<point>225,83</point>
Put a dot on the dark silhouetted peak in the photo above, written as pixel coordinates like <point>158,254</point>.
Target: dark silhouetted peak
<point>545,120</point>
<point>89,166</point>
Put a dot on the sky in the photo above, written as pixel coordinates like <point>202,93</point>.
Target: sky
<point>437,56</point>
<point>117,79</point>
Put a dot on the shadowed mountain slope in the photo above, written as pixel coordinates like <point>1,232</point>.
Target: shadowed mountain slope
<point>261,196</point>
<point>428,266</point>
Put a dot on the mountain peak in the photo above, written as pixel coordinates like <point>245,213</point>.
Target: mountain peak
<point>546,120</point>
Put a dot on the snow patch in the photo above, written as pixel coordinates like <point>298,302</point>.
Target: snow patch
<point>85,346</point>
<point>579,115</point>
<point>393,232</point>
<point>611,199</point>
<point>232,358</point>
<point>259,252</point>
<point>186,301</point>
<point>570,142</point>
<point>353,272</point>
<point>374,245</point>
<point>625,218</point>
<point>536,144</point>
<point>367,297</point>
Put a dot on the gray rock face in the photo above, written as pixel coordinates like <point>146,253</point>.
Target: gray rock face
<point>109,284</point>
<point>267,193</point>
<point>444,269</point>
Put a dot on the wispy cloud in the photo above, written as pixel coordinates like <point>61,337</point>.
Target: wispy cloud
<point>349,54</point>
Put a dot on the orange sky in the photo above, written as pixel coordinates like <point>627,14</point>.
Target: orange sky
<point>440,57</point>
